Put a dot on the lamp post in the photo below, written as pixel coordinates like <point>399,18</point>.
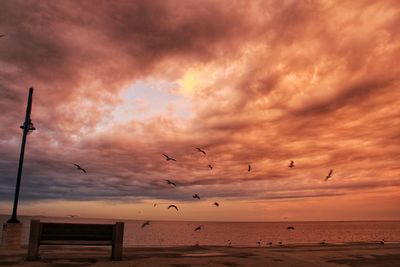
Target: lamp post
<point>26,128</point>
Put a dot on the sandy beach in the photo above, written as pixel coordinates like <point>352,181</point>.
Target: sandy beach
<point>315,255</point>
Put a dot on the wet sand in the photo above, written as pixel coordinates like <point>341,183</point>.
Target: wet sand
<point>316,255</point>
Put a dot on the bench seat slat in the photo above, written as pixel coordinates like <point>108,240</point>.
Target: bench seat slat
<point>79,229</point>
<point>76,233</point>
<point>77,238</point>
<point>66,232</point>
<point>68,229</point>
<point>78,225</point>
<point>75,242</point>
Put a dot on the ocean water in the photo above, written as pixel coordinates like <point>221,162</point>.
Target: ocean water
<point>180,233</point>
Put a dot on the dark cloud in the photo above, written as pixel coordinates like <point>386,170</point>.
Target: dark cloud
<point>355,93</point>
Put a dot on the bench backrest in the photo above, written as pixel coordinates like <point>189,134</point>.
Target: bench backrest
<point>72,231</point>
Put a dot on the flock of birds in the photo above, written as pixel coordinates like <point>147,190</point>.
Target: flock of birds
<point>169,182</point>
<point>196,196</point>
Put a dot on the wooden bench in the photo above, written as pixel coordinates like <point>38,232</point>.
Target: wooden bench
<point>75,234</point>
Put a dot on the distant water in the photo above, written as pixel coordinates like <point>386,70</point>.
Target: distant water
<point>170,233</point>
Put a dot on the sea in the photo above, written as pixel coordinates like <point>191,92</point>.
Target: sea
<point>240,234</point>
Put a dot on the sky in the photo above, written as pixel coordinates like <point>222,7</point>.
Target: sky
<point>119,83</point>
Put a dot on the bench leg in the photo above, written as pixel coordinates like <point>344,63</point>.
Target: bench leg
<point>116,253</point>
<point>33,248</point>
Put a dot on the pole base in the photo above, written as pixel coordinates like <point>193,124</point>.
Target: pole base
<point>11,235</point>
<point>13,220</point>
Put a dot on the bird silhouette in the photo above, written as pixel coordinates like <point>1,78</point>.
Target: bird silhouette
<point>198,228</point>
<point>146,223</point>
<point>216,204</point>
<point>329,175</point>
<point>291,165</point>
<point>210,166</point>
<point>80,168</point>
<point>200,150</point>
<point>290,228</point>
<point>196,196</point>
<point>249,168</point>
<point>173,206</point>
<point>170,182</point>
<point>168,158</point>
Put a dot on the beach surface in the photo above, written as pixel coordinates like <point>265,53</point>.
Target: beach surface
<point>310,255</point>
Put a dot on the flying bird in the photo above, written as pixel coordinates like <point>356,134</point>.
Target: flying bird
<point>249,168</point>
<point>210,166</point>
<point>329,175</point>
<point>80,168</point>
<point>196,196</point>
<point>200,150</point>
<point>170,182</point>
<point>216,204</point>
<point>198,228</point>
<point>291,165</point>
<point>173,206</point>
<point>146,223</point>
<point>168,158</point>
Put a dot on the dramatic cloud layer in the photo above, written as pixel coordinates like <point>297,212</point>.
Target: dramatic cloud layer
<point>117,84</point>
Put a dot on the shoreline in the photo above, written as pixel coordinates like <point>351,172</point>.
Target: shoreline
<point>277,245</point>
<point>360,254</point>
<point>200,221</point>
<point>284,245</point>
